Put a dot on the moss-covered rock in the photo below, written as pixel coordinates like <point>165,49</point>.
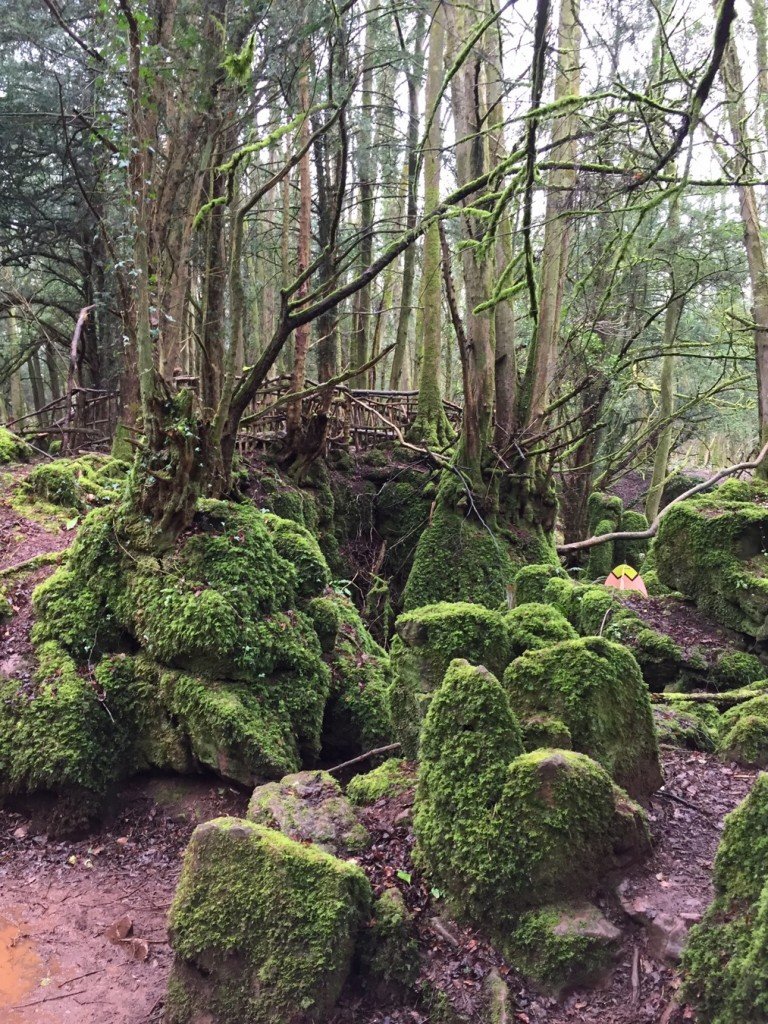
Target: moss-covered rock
<point>563,946</point>
<point>76,484</point>
<point>594,686</point>
<point>388,954</point>
<point>632,552</point>
<point>460,558</point>
<point>725,963</point>
<point>532,626</point>
<point>263,928</point>
<point>715,550</point>
<point>247,667</point>
<point>13,448</point>
<point>744,733</point>
<point>390,779</point>
<point>734,670</point>
<point>498,829</point>
<point>310,808</point>
<point>676,727</point>
<point>357,714</point>
<point>603,508</point>
<point>531,582</point>
<point>545,731</point>
<point>427,640</point>
<point>601,557</point>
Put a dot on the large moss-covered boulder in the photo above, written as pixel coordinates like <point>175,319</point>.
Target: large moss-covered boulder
<point>238,671</point>
<point>263,928</point>
<point>725,963</point>
<point>468,552</point>
<point>501,830</point>
<point>427,640</point>
<point>310,808</point>
<point>714,550</point>
<point>595,688</point>
<point>13,448</point>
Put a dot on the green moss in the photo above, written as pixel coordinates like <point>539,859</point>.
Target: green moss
<point>603,508</point>
<point>13,448</point>
<point>310,808</point>
<point>744,733</point>
<point>601,557</point>
<point>469,737</point>
<point>632,552</point>
<point>263,928</point>
<point>545,731</point>
<point>562,946</point>
<point>500,830</point>
<point>713,549</point>
<point>402,512</point>
<point>390,779</point>
<point>296,545</point>
<point>388,957</point>
<point>736,669</point>
<point>76,483</point>
<point>326,620</point>
<point>531,582</point>
<point>725,962</point>
<point>678,728</point>
<point>532,626</point>
<point>357,715</point>
<point>427,640</point>
<point>594,686</point>
<point>69,734</point>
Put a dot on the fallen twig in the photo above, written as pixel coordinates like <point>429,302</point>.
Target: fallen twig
<point>363,757</point>
<point>48,999</point>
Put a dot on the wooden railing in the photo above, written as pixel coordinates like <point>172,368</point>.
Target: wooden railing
<point>357,418</point>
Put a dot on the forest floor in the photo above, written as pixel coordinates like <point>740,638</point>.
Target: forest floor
<point>83,922</point>
<point>64,905</point>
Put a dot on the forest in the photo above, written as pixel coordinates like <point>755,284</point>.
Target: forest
<point>383,512</point>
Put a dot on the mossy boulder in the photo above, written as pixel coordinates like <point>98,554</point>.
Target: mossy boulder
<point>736,669</point>
<point>310,808</point>
<point>13,448</point>
<point>263,928</point>
<point>501,830</point>
<point>237,674</point>
<point>427,640</point>
<point>725,963</point>
<point>563,946</point>
<point>715,550</point>
<point>744,733</point>
<point>601,557</point>
<point>388,955</point>
<point>603,508</point>
<point>632,552</point>
<point>461,557</point>
<point>390,779</point>
<point>531,582</point>
<point>676,727</point>
<point>595,688</point>
<point>532,626</point>
<point>357,713</point>
<point>76,484</point>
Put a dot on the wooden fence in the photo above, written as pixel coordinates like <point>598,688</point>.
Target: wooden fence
<point>357,418</point>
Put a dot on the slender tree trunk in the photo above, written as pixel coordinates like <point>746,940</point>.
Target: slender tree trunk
<point>399,361</point>
<point>431,424</point>
<point>753,241</point>
<point>542,359</point>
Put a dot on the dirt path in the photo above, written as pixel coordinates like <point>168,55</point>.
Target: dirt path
<point>58,900</point>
